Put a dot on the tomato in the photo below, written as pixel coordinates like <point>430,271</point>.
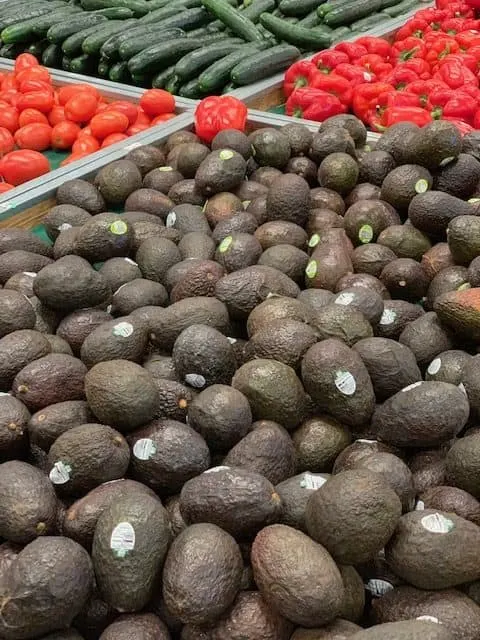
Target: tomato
<point>10,96</point>
<point>4,186</point>
<point>34,85</point>
<point>72,90</point>
<point>41,100</point>
<point>31,115</point>
<point>104,124</point>
<point>81,108</point>
<point>24,61</point>
<point>157,101</point>
<point>56,115</point>
<point>73,158</point>
<point>86,131</point>
<point>7,143</point>
<point>101,106</point>
<point>136,128</point>
<point>34,73</point>
<point>9,82</point>
<point>9,119</point>
<point>129,109</point>
<point>64,135</point>
<point>18,167</point>
<point>85,144</point>
<point>113,138</point>
<point>163,118</point>
<point>35,136</point>
<point>142,117</point>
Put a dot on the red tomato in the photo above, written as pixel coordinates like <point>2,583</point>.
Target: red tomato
<point>9,82</point>
<point>64,135</point>
<point>35,136</point>
<point>34,73</point>
<point>41,100</point>
<point>7,143</point>
<point>86,131</point>
<point>10,96</point>
<point>18,167</point>
<point>136,128</point>
<point>104,124</point>
<point>9,119</point>
<point>142,117</point>
<point>101,106</point>
<point>129,109</point>
<point>163,118</point>
<point>56,115</point>
<point>113,138</point>
<point>73,158</point>
<point>72,90</point>
<point>31,115</point>
<point>24,61</point>
<point>157,101</point>
<point>81,108</point>
<point>85,144</point>
<point>34,85</point>
<point>4,186</point>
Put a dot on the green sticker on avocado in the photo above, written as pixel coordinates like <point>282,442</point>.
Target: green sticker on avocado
<point>165,168</point>
<point>365,234</point>
<point>314,240</point>
<point>226,154</point>
<point>464,286</point>
<point>118,227</point>
<point>225,244</point>
<point>311,270</point>
<point>421,186</point>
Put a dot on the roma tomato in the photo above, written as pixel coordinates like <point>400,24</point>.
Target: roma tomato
<point>85,144</point>
<point>122,106</point>
<point>34,73</point>
<point>64,135</point>
<point>33,85</point>
<point>35,136</point>
<point>9,119</point>
<point>142,117</point>
<point>81,108</point>
<point>108,122</point>
<point>28,116</point>
<point>136,128</point>
<point>18,167</point>
<point>163,118</point>
<point>4,186</point>
<point>157,101</point>
<point>7,143</point>
<point>56,115</point>
<point>73,158</point>
<point>40,100</point>
<point>9,82</point>
<point>10,96</point>
<point>113,138</point>
<point>24,61</point>
<point>72,90</point>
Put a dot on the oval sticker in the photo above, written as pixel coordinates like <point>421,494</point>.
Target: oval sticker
<point>421,186</point>
<point>225,244</point>
<point>118,227</point>
<point>437,523</point>
<point>311,269</point>
<point>365,234</point>
<point>122,539</point>
<point>345,383</point>
<point>144,449</point>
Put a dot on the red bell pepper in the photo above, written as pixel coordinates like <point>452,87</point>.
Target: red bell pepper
<point>468,39</point>
<point>455,75</point>
<point>378,46</point>
<point>313,104</point>
<point>419,66</point>
<point>352,49</point>
<point>300,74</point>
<point>438,98</point>
<point>433,16</point>
<point>476,119</point>
<point>365,97</point>
<point>409,48</point>
<point>216,113</point>
<point>424,88</point>
<point>463,127</point>
<point>374,63</point>
<point>453,26</point>
<point>465,59</point>
<point>417,115</point>
<point>461,9</point>
<point>355,75</point>
<point>401,77</point>
<point>327,61</point>
<point>416,27</point>
<point>441,48</point>
<point>391,99</point>
<point>461,107</point>
<point>336,85</point>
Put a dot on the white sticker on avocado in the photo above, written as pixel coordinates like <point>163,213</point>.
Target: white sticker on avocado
<point>225,244</point>
<point>378,587</point>
<point>3,393</point>
<point>122,539</point>
<point>118,227</point>
<point>436,523</point>
<point>446,161</point>
<point>473,200</point>
<point>429,619</point>
<point>109,308</point>
<point>345,298</point>
<point>365,234</point>
<point>171,219</point>
<point>64,226</point>
<point>226,154</point>
<point>312,481</point>
<point>122,330</point>
<point>421,186</point>
<point>345,383</point>
<point>195,380</point>
<point>461,386</point>
<point>30,274</point>
<point>144,449</point>
<point>130,261</point>
<point>232,340</point>
<point>60,474</point>
<point>434,367</point>
<point>314,240</point>
<point>388,317</point>
<point>420,506</point>
<point>216,469</point>
<point>167,168</point>
<point>414,385</point>
<point>364,441</point>
<point>311,269</point>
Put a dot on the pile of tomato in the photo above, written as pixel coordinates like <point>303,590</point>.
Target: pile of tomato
<point>36,116</point>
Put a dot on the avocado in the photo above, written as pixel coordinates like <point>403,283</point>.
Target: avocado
<point>338,381</point>
<point>405,279</point>
<point>161,367</point>
<point>461,464</point>
<point>70,284</point>
<point>460,177</point>
<point>437,144</point>
<point>331,140</point>
<point>45,426</point>
<point>198,245</point>
<point>428,468</point>
<point>448,367</point>
<point>337,630</point>
<point>180,137</point>
<point>432,211</point>
<point>146,157</point>
<point>65,243</point>
<point>405,241</point>
<point>14,417</point>
<point>459,311</point>
<point>299,136</point>
<point>398,141</point>
<point>155,256</point>
<point>32,607</point>
<point>275,232</point>
<point>403,183</point>
<point>267,450</point>
<point>294,494</point>
<point>447,280</point>
<point>221,170</point>
<point>328,263</point>
<point>451,500</point>
<point>64,216</point>
<point>46,320</point>
<point>103,237</point>
<point>138,293</point>
<point>444,545</point>
<point>363,191</point>
<point>150,201</point>
<point>17,350</point>
<point>24,240</point>
<point>162,179</point>
<point>198,281</point>
<point>56,377</point>
<point>166,454</point>
<point>273,390</point>
<point>285,340</point>
<point>121,393</point>
<point>351,455</point>
<point>322,198</point>
<point>271,147</point>
<point>365,501</point>
<point>187,192</point>
<point>145,625</point>
<point>463,236</point>
<point>129,546</point>
<point>318,442</point>
<point>371,258</point>
<point>243,222</point>
<point>405,630</point>
<point>367,302</point>
<point>397,314</point>
<point>303,167</point>
<point>202,574</point>
<point>288,199</point>
<point>16,312</point>
<point>232,139</point>
<point>238,251</point>
<point>117,180</point>
<point>277,308</point>
<point>118,271</point>
<point>352,124</point>
<point>222,206</point>
<point>83,194</point>
<point>76,326</point>
<point>338,172</point>
<point>375,166</point>
<point>320,220</point>
<point>342,322</point>
<point>473,273</point>
<point>58,345</point>
<point>221,415</point>
<point>315,299</point>
<point>190,157</point>
<point>285,580</point>
<point>265,175</point>
<point>21,282</point>
<point>185,218</point>
<point>13,262</point>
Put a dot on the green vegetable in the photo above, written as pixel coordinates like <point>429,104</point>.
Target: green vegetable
<point>82,64</point>
<point>72,45</point>
<point>401,8</point>
<point>60,32</point>
<point>295,34</point>
<point>264,64</point>
<point>190,90</point>
<point>347,14</point>
<point>138,7</point>
<point>233,19</point>
<point>160,80</point>
<point>52,56</point>
<point>299,7</point>
<point>93,42</point>
<point>217,75</point>
<point>367,23</point>
<point>136,44</point>
<point>119,73</point>
<point>157,57</point>
<point>196,61</point>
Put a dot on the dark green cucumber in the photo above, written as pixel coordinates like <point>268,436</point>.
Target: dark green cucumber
<point>217,75</point>
<point>190,90</point>
<point>401,8</point>
<point>173,84</point>
<point>66,63</point>
<point>311,20</point>
<point>228,88</point>
<point>52,56</point>
<point>103,68</point>
<point>110,48</point>
<point>160,79</point>
<point>295,34</point>
<point>22,16</point>
<point>60,32</point>
<point>11,51</point>
<point>35,27</point>
<point>142,81</point>
<point>264,64</point>
<point>43,24</point>
<point>233,19</point>
<point>389,3</point>
<point>346,14</point>
<point>196,61</point>
<point>340,34</point>
<point>158,15</point>
<point>299,8</point>
<point>187,20</point>
<point>136,44</point>
<point>83,64</point>
<point>367,23</point>
<point>72,45</point>
<point>155,58</point>
<point>324,8</point>
<point>93,42</point>
<point>138,7</point>
<point>119,72</point>
<point>115,13</point>
<point>255,9</point>
<point>37,48</point>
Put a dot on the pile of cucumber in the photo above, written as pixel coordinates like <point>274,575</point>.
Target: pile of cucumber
<point>191,48</point>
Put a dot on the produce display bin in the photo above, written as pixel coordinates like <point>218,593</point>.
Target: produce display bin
<point>28,204</point>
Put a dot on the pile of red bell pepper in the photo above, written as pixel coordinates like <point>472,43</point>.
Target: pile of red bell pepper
<point>431,71</point>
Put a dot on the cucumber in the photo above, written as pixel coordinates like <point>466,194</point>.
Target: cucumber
<point>82,64</point>
<point>93,42</point>
<point>115,13</point>
<point>103,68</point>
<point>135,45</point>
<point>11,51</point>
<point>228,88</point>
<point>173,84</point>
<point>217,75</point>
<point>295,34</point>
<point>299,7</point>
<point>323,9</point>
<point>35,27</point>
<point>37,48</point>
<point>196,61</point>
<point>60,32</point>
<point>255,9</point>
<point>52,56</point>
<point>142,81</point>
<point>233,19</point>
<point>110,48</point>
<point>155,58</point>
<point>22,16</point>
<point>347,14</point>
<point>138,7</point>
<point>119,73</point>
<point>158,15</point>
<point>367,23</point>
<point>66,63</point>
<point>264,64</point>
<point>72,45</point>
<point>389,3</point>
<point>340,34</point>
<point>401,8</point>
<point>160,79</point>
<point>190,90</point>
<point>311,20</point>
<point>43,23</point>
<point>187,20</point>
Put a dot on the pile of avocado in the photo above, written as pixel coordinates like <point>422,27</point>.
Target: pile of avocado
<point>240,393</point>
